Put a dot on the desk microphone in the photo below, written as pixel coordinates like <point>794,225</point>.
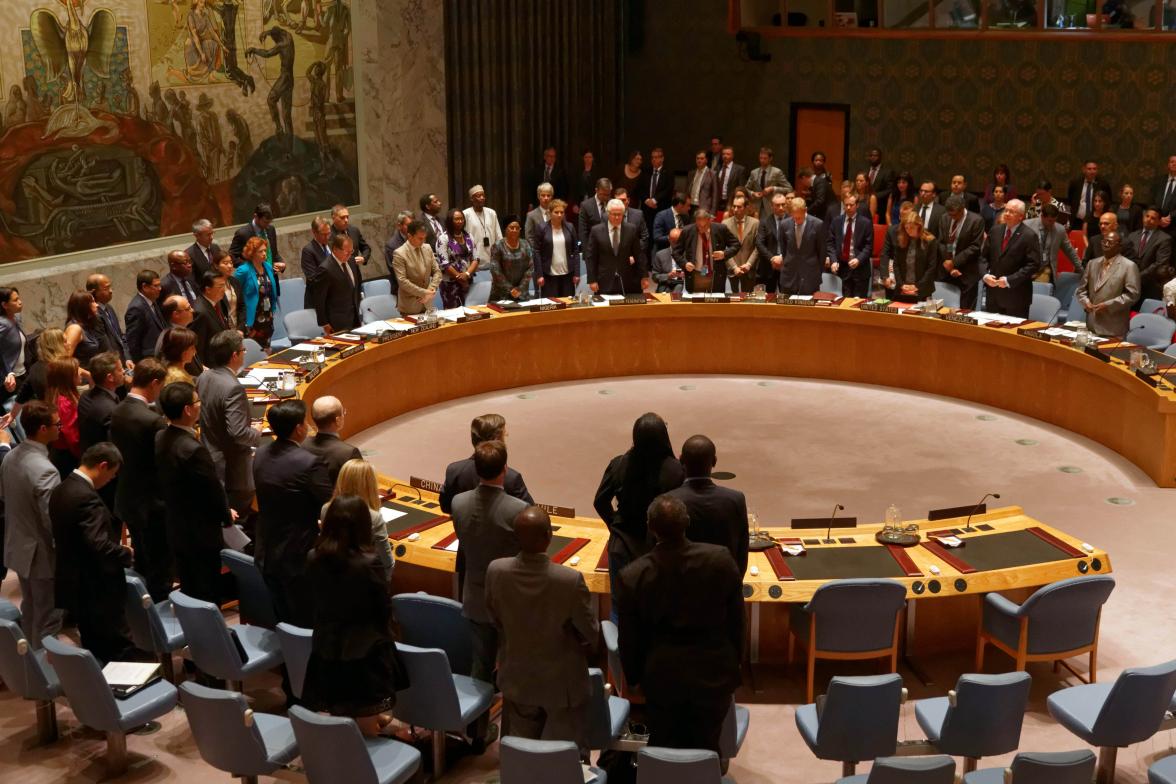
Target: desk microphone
<point>829,533</point>
<point>968,524</point>
<point>621,281</point>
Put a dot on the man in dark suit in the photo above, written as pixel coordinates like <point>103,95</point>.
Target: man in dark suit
<point>961,238</point>
<point>431,217</point>
<point>718,515</point>
<point>701,185</point>
<point>550,172</point>
<point>292,486</point>
<point>803,252</point>
<point>203,252</point>
<point>461,476</point>
<point>669,222</point>
<point>929,209</point>
<point>90,562</point>
<point>97,405</point>
<point>959,187</point>
<point>483,519</point>
<point>729,176</point>
<point>1014,257</point>
<point>341,224</point>
<point>328,413</point>
<point>613,255</point>
<point>225,423</point>
<point>700,252</point>
<point>680,609</point>
<point>594,210</point>
<point>100,288</point>
<point>138,499</point>
<point>208,319</point>
<point>338,289</point>
<point>634,218</point>
<point>847,255</point>
<point>1165,198</point>
<point>260,226</point>
<point>546,626</point>
<point>197,508</point>
<point>314,257</point>
<point>143,317</point>
<point>1080,194</point>
<point>769,244</point>
<point>398,238</point>
<point>822,186</point>
<point>1151,249</point>
<point>656,188</point>
<point>179,279</point>
<point>881,178</point>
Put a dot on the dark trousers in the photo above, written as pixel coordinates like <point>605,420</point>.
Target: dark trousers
<point>685,725</point>
<point>968,292</point>
<point>153,556</point>
<point>293,597</point>
<point>102,620</point>
<point>485,650</point>
<point>857,283</point>
<point>199,572</point>
<point>558,286</point>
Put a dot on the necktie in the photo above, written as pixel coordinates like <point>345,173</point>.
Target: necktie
<point>653,183</point>
<point>763,178</point>
<point>799,233</point>
<point>1168,190</point>
<point>189,292</point>
<point>726,174</point>
<point>847,243</point>
<point>678,220</point>
<point>955,229</point>
<point>350,275</point>
<point>1008,235</point>
<point>616,243</point>
<point>873,174</point>
<point>706,254</point>
<point>739,228</point>
<point>1143,240</point>
<point>1087,198</point>
<point>547,174</point>
<point>926,215</point>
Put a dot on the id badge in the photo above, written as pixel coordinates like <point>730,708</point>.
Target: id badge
<point>485,242</point>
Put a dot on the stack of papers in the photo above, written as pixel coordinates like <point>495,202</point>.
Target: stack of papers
<point>258,376</point>
<point>532,303</point>
<point>792,549</point>
<point>995,318</point>
<point>1070,334</point>
<point>453,314</point>
<point>376,327</point>
<point>388,515</point>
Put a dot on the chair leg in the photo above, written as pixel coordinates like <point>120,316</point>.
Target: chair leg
<point>46,722</point>
<point>116,753</point>
<point>791,648</point>
<point>168,667</point>
<point>811,666</point>
<point>1093,665</point>
<point>438,754</point>
<point>970,764</point>
<point>848,768</point>
<point>1105,774</point>
<point>248,779</point>
<point>980,645</point>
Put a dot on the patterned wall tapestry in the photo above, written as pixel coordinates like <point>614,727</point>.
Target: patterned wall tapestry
<point>127,120</point>
<point>935,107</point>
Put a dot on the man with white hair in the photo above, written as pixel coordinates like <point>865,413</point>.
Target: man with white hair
<point>1014,256</point>
<point>538,217</point>
<point>613,255</point>
<point>328,413</point>
<point>203,252</point>
<point>481,225</point>
<point>801,252</point>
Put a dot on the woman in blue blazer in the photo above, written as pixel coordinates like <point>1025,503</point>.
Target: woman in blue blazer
<point>259,289</point>
<point>557,261</point>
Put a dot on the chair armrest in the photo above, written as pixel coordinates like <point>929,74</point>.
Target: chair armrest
<point>1002,605</point>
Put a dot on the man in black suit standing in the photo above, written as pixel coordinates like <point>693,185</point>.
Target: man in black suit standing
<point>328,413</point>
<point>1151,249</point>
<point>822,186</point>
<point>613,255</point>
<point>461,476</point>
<point>718,515</point>
<point>99,287</point>
<point>197,507</point>
<point>803,253</point>
<point>292,486</point>
<point>138,501</point>
<point>143,317</point>
<point>314,258</point>
<point>260,226</point>
<point>928,207</point>
<point>203,252</point>
<point>430,216</point>
<point>961,238</point>
<point>634,218</point>
<point>1014,257</point>
<point>959,187</point>
<point>847,254</point>
<point>97,405</point>
<point>1080,194</point>
<point>90,561</point>
<point>337,300</point>
<point>549,172</point>
<point>341,224</point>
<point>594,209</point>
<point>656,188</point>
<point>729,176</point>
<point>179,279</point>
<point>769,244</point>
<point>1165,198</point>
<point>680,609</point>
<point>701,251</point>
<point>207,317</point>
<point>881,178</point>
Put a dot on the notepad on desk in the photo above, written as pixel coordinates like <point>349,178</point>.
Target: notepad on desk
<point>388,514</point>
<point>376,327</point>
<point>126,678</point>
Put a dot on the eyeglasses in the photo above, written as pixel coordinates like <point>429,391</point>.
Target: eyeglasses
<point>55,424</point>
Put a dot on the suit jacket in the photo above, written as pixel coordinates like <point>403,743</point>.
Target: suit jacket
<point>1167,205</point>
<point>337,297</point>
<point>201,261</point>
<point>544,250</point>
<point>708,189</point>
<point>460,476</point>
<point>133,425</point>
<point>430,232</point>
<point>937,215</point>
<point>95,409</point>
<point>171,286</point>
<point>225,428</point>
<point>208,319</point>
<point>718,515</point>
<point>745,250</point>
<point>1155,262</point>
<point>534,224</point>
<point>10,347</point>
<point>767,244</point>
<point>883,184</point>
<point>686,252</point>
<point>544,614</point>
<point>197,508</point>
<point>333,451</point>
<point>680,609</point>
<point>116,339</point>
<point>802,268</point>
<point>1019,262</point>
<point>634,218</point>
<point>483,519</point>
<point>968,250</point>
<point>359,246</point>
<point>590,216</point>
<point>558,182</point>
<point>144,324</point>
<point>244,234</point>
<point>759,179</point>
<point>1054,242</point>
<point>416,271</point>
<point>971,202</point>
<point>927,266</point>
<point>292,486</point>
<point>89,562</point>
<point>390,247</point>
<point>613,271</point>
<point>1074,195</point>
<point>822,195</point>
<point>665,222</point>
<point>663,193</point>
<point>313,261</point>
<point>861,247</point>
<point>735,179</point>
<point>27,480</point>
<point>1119,289</point>
<point>660,269</point>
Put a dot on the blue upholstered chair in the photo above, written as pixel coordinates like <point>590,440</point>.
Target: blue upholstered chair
<point>9,611</point>
<point>848,619</point>
<point>678,766</point>
<point>1163,771</point>
<point>608,715</point>
<point>858,720</point>
<point>376,288</point>
<point>296,644</point>
<point>1151,330</point>
<point>254,353</point>
<point>428,621</point>
<point>1114,715</point>
<point>1043,287</point>
<point>1074,311</point>
<point>293,293</point>
<point>830,283</point>
<point>1064,288</point>
<point>254,602</point>
<point>1155,306</point>
<point>1056,767</point>
<point>479,293</point>
<point>302,324</point>
<point>154,627</point>
<point>378,307</point>
<point>949,293</point>
<point>333,750</point>
<point>734,733</point>
<point>982,717</point>
<point>524,761</point>
<point>1057,622</point>
<point>229,654</point>
<point>27,672</point>
<point>232,738</point>
<point>94,704</point>
<point>1044,307</point>
<point>612,642</point>
<point>907,770</point>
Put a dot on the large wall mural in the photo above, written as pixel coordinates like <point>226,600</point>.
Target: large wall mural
<point>126,120</point>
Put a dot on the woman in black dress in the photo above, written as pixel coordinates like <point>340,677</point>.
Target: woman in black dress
<point>354,669</point>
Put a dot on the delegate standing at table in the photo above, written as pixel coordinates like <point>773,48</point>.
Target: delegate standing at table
<point>339,289</point>
<point>742,264</point>
<point>701,250</point>
<point>415,269</point>
<point>962,244</point>
<point>802,252</point>
<point>511,264</point>
<point>769,242</point>
<point>613,255</point>
<point>718,515</point>
<point>1109,289</point>
<point>914,265</point>
<point>1014,256</point>
<point>851,240</point>
<point>557,262</point>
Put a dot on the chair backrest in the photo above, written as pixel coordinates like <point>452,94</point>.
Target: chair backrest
<point>225,737</point>
<point>9,611</point>
<point>860,718</point>
<point>677,766</point>
<point>947,292</point>
<point>332,748</point>
<point>599,721</point>
<point>479,293</point>
<point>21,669</point>
<point>856,615</point>
<point>1044,308</point>
<point>612,646</point>
<point>209,639</point>
<point>431,699</point>
<point>1150,329</point>
<point>376,288</point>
<point>1075,311</point>
<point>1078,240</point>
<point>1065,286</point>
<point>987,716</point>
<point>525,761</point>
<point>1043,287</point>
<point>1064,615</point>
<point>1153,306</point>
<point>830,283</point>
<point>82,683</point>
<point>1054,767</point>
<point>913,770</point>
<point>293,293</point>
<point>1171,350</point>
<point>140,618</point>
<point>734,731</point>
<point>255,602</point>
<point>296,645</point>
<point>302,324</point>
<point>379,307</point>
<point>879,241</point>
<point>1135,705</point>
<point>428,621</point>
<point>254,353</point>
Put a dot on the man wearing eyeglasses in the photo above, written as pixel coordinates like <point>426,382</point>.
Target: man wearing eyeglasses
<point>328,413</point>
<point>930,210</point>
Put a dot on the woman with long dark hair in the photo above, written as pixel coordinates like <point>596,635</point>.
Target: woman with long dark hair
<point>904,190</point>
<point>457,260</point>
<point>84,337</point>
<point>62,378</point>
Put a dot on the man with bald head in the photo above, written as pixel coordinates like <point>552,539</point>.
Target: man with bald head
<point>99,287</point>
<point>718,515</point>
<point>1107,222</point>
<point>543,613</point>
<point>179,279</point>
<point>1109,288</point>
<point>328,413</point>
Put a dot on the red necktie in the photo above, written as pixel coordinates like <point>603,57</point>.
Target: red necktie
<point>847,243</point>
<point>1004,244</point>
<point>1143,241</point>
<point>706,254</point>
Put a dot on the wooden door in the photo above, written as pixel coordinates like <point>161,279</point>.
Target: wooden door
<point>823,127</point>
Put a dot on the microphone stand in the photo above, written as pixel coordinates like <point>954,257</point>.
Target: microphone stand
<point>829,533</point>
<point>968,524</point>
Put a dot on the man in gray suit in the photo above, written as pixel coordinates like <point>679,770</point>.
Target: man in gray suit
<point>1053,237</point>
<point>27,480</point>
<point>701,184</point>
<point>483,519</point>
<point>801,260</point>
<point>538,217</point>
<point>543,613</point>
<point>764,181</point>
<point>225,425</point>
<point>1109,287</point>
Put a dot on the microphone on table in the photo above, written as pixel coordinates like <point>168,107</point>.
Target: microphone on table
<point>621,281</point>
<point>829,533</point>
<point>968,524</point>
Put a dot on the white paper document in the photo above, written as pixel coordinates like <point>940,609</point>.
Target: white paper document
<point>235,538</point>
<point>453,314</point>
<point>129,673</point>
<point>531,303</point>
<point>307,347</point>
<point>376,327</point>
<point>452,546</point>
<point>388,515</point>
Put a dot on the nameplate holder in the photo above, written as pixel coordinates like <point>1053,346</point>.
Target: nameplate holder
<point>960,318</point>
<point>709,299</point>
<point>878,307</point>
<point>1151,379</point>
<point>1036,334</point>
<point>350,352</point>
<point>312,373</point>
<point>630,299</point>
<point>1094,352</point>
<point>473,317</point>
<point>804,303</point>
<point>558,511</point>
<point>425,484</point>
<point>548,306</point>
